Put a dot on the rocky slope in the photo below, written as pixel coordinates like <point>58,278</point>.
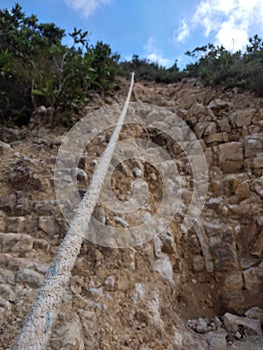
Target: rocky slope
<point>196,290</point>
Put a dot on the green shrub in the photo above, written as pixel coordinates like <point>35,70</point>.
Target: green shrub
<point>215,65</point>
<point>36,69</point>
<point>149,71</point>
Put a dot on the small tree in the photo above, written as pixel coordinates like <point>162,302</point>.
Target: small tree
<point>36,69</point>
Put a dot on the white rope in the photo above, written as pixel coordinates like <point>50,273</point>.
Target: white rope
<point>37,326</point>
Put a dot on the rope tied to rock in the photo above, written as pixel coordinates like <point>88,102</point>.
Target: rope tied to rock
<point>37,326</point>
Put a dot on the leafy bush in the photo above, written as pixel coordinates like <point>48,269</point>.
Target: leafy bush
<point>216,65</point>
<point>36,69</point>
<point>149,71</point>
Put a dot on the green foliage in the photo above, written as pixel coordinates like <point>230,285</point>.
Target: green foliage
<point>215,65</point>
<point>149,71</point>
<point>104,66</point>
<point>36,69</point>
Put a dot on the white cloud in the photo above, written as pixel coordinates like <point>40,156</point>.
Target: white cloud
<point>229,21</point>
<point>182,32</point>
<point>153,54</point>
<point>87,7</point>
<point>231,38</point>
<point>149,45</point>
<point>205,16</point>
<point>157,58</point>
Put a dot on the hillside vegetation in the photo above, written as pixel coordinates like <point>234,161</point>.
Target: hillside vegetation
<point>36,69</point>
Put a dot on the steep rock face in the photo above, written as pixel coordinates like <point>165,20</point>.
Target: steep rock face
<point>141,297</point>
<point>229,127</point>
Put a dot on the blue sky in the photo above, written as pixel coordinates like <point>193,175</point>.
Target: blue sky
<point>160,30</point>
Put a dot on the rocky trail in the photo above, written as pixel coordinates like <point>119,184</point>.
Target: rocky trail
<point>196,290</point>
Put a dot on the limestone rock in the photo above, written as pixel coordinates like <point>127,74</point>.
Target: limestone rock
<point>69,336</point>
<point>90,328</point>
<point>4,147</point>
<point>210,129</point>
<point>29,277</point>
<point>230,156</point>
<point>257,249</point>
<point>225,256</point>
<point>232,181</point>
<point>243,117</point>
<point>7,293</point>
<point>15,224</point>
<point>234,281</point>
<point>253,145</point>
<point>7,277</point>
<point>233,324</point>
<point>164,267</point>
<point>199,129</point>
<point>23,203</point>
<point>253,280</point>
<point>218,104</point>
<point>23,177</point>
<point>137,172</point>
<point>219,137</point>
<point>198,263</point>
<point>255,313</point>
<point>109,283</point>
<point>197,109</point>
<point>201,326</point>
<point>8,203</point>
<point>224,125</point>
<point>243,190</point>
<point>217,340</point>
<point>5,306</point>
<point>168,242</point>
<point>42,132</point>
<point>13,242</point>
<point>250,343</point>
<point>157,243</point>
<point>258,162</point>
<point>205,325</point>
<point>99,214</point>
<point>49,225</point>
<point>45,207</point>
